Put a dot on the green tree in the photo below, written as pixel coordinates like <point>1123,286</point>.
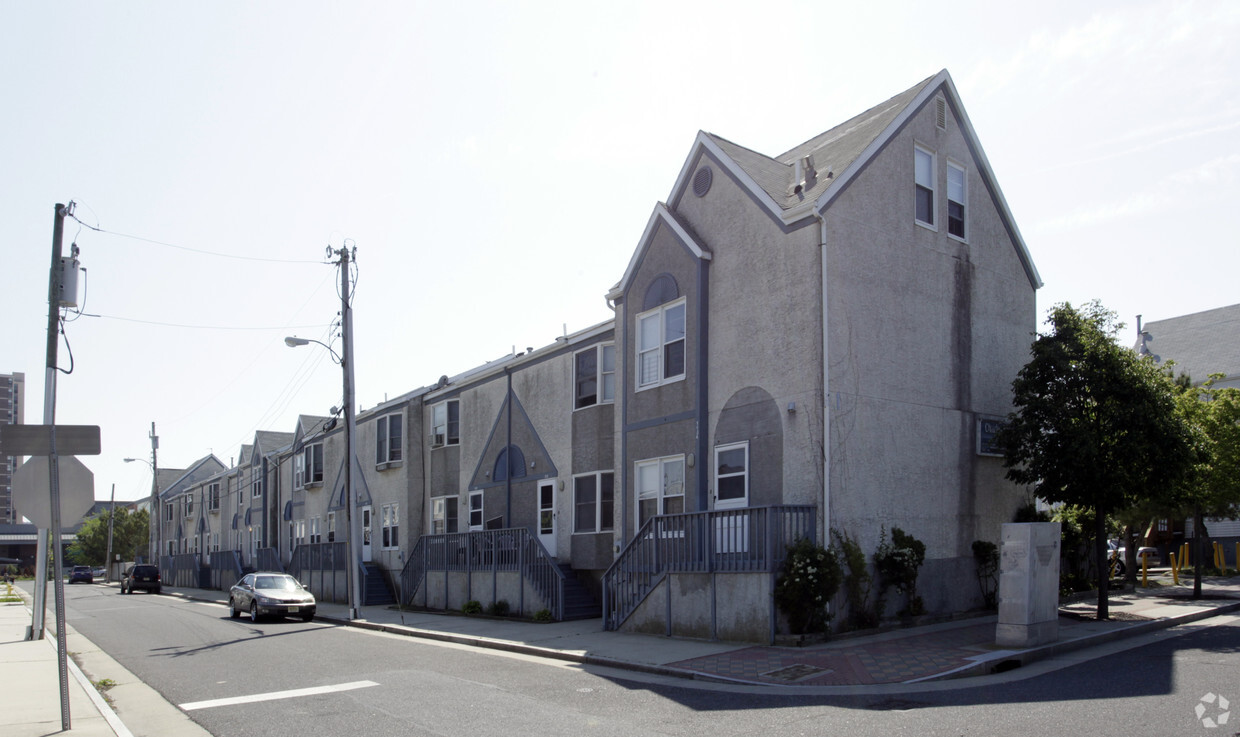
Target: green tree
<point>1095,425</point>
<point>1213,488</point>
<point>129,537</point>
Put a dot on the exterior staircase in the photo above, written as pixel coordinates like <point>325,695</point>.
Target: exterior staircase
<point>376,591</point>
<point>579,603</point>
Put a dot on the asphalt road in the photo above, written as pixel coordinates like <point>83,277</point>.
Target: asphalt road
<point>194,653</point>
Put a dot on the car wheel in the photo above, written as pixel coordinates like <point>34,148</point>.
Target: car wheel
<point>253,611</point>
<point>307,617</point>
<point>232,609</point>
<point>122,587</point>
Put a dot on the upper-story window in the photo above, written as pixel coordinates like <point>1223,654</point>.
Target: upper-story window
<point>189,505</point>
<point>923,176</point>
<point>595,372</point>
<point>256,482</point>
<point>213,496</point>
<point>389,432</point>
<point>446,423</point>
<point>661,345</point>
<point>955,200</point>
<point>308,466</point>
<point>660,487</point>
<point>593,502</point>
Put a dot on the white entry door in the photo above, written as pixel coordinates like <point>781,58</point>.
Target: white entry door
<point>367,525</point>
<point>732,492</point>
<point>546,515</point>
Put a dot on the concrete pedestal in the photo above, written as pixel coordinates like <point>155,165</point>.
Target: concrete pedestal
<point>1028,585</point>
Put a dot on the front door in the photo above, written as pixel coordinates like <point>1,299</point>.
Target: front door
<point>731,492</point>
<point>546,515</point>
<point>366,530</point>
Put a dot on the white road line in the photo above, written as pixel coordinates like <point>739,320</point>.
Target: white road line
<point>191,706</point>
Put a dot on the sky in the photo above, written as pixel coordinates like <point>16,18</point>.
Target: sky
<point>495,164</point>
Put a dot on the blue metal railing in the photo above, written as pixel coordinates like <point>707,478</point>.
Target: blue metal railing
<point>752,539</point>
<point>487,551</point>
<point>225,569</point>
<point>269,560</point>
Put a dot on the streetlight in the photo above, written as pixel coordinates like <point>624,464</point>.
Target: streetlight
<point>350,423</point>
<point>153,519</point>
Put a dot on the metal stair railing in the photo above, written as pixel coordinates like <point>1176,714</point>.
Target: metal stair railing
<point>750,539</point>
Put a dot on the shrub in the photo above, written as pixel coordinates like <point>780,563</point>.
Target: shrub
<point>542,615</point>
<point>857,581</point>
<point>898,562</point>
<point>498,609</point>
<point>986,555</point>
<point>472,607</point>
<point>810,577</point>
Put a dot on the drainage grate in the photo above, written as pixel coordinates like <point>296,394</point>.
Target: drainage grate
<point>793,673</point>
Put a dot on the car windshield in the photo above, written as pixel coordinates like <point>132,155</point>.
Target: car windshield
<point>283,583</point>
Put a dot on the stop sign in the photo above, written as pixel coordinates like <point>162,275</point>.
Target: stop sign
<point>32,491</point>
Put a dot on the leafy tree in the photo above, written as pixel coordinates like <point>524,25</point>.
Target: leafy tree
<point>1213,488</point>
<point>1095,425</point>
<point>130,535</point>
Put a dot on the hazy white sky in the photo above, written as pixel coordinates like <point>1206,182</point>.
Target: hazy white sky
<point>495,164</point>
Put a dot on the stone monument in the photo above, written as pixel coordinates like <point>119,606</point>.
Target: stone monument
<point>1028,585</point>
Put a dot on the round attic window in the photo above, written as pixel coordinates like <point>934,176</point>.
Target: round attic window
<point>702,180</point>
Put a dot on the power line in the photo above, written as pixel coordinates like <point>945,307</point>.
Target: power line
<point>199,327</point>
<point>98,229</point>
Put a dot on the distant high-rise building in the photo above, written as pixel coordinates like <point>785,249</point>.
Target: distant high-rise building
<point>12,410</point>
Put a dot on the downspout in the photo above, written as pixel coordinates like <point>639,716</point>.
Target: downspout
<point>508,457</point>
<point>826,386</point>
<point>703,500</point>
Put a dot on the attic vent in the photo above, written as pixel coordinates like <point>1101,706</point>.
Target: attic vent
<point>940,113</point>
<point>702,181</point>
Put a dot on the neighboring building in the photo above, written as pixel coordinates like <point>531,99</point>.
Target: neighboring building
<point>12,412</point>
<point>818,340</point>
<point>1200,344</point>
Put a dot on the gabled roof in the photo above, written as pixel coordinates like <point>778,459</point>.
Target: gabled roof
<point>309,427</point>
<point>1201,344</point>
<point>838,156</point>
<point>660,215</point>
<point>267,442</point>
<point>200,469</point>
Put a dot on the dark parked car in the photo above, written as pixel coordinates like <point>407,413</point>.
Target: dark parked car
<point>277,594</point>
<point>141,577</point>
<point>81,573</point>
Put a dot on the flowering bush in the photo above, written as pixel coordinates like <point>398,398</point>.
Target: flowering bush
<point>810,577</point>
<point>897,562</point>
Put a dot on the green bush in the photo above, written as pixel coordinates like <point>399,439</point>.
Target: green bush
<point>472,607</point>
<point>898,562</point>
<point>986,555</point>
<point>542,615</point>
<point>857,581</point>
<point>810,577</point>
<point>498,609</point>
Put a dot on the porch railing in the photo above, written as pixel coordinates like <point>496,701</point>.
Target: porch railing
<point>316,566</point>
<point>752,539</point>
<point>225,569</point>
<point>269,560</point>
<point>487,551</point>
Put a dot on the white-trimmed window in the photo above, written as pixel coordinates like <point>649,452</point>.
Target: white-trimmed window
<point>956,190</point>
<point>923,177</point>
<point>189,505</point>
<point>661,345</point>
<point>443,515</point>
<point>660,487</point>
<point>213,497</point>
<point>215,542</point>
<point>390,519</point>
<point>476,521</point>
<point>240,490</point>
<point>331,527</point>
<point>256,538</point>
<point>168,511</point>
<point>389,434</point>
<point>446,423</point>
<point>595,376</point>
<point>732,475</point>
<point>315,537</point>
<point>312,464</point>
<point>594,502</point>
<point>256,481</point>
<point>299,531</point>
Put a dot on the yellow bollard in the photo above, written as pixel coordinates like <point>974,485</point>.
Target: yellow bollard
<point>1184,556</point>
<point>1237,558</point>
<point>1175,570</point>
<point>1145,571</point>
<point>1218,555</point>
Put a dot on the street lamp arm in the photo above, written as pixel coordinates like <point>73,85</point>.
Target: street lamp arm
<point>294,342</point>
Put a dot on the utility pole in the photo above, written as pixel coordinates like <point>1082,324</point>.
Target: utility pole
<point>155,519</point>
<point>350,431</point>
<point>107,559</point>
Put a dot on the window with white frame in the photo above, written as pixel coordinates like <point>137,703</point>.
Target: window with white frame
<point>315,537</point>
<point>312,464</point>
<point>388,438</point>
<point>661,345</point>
<point>331,527</point>
<point>443,515</point>
<point>189,505</point>
<point>256,482</point>
<point>256,541</point>
<point>476,521</point>
<point>446,423</point>
<point>660,487</point>
<point>955,200</point>
<point>299,531</point>
<point>168,511</point>
<point>923,176</point>
<point>595,371</point>
<point>593,502</point>
<point>732,475</point>
<point>390,521</point>
<point>213,497</point>
<point>215,542</point>
<point>240,491</point>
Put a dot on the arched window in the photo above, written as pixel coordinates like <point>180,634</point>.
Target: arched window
<point>509,462</point>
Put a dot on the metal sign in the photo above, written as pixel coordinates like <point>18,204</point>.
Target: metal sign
<point>32,491</point>
<point>36,440</point>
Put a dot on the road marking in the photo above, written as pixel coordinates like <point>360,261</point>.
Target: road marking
<point>274,695</point>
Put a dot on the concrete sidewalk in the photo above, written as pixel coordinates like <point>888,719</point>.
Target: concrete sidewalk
<point>910,656</point>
